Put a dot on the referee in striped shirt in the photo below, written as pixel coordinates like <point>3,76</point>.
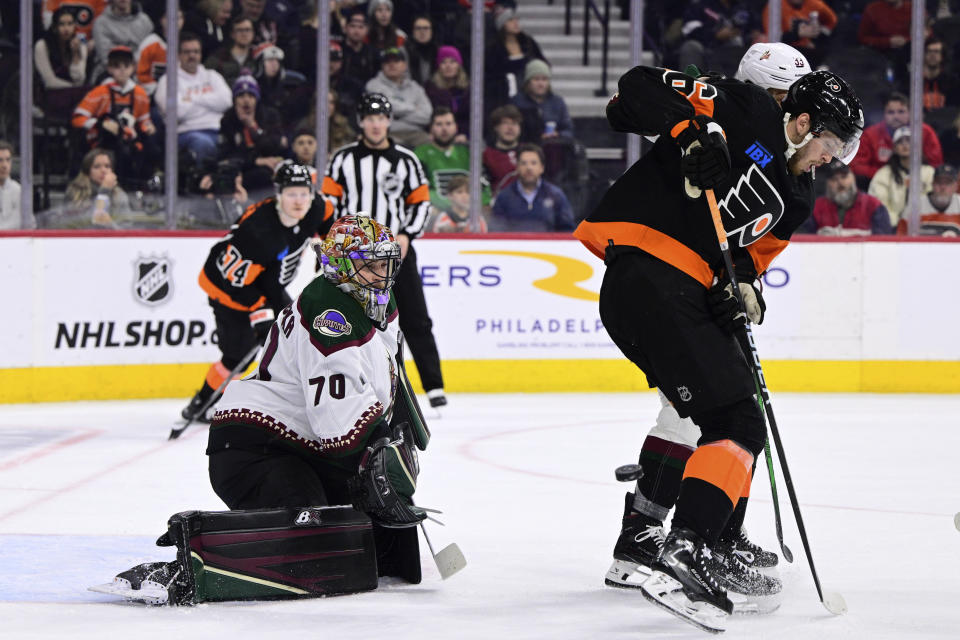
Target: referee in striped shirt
<point>385,180</point>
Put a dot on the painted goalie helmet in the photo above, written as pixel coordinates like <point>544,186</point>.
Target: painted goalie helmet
<point>361,257</point>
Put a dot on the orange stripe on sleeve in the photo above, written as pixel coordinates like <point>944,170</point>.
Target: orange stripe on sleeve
<point>418,195</point>
<point>216,374</point>
<point>764,250</point>
<point>331,187</point>
<point>211,290</point>
<point>724,464</point>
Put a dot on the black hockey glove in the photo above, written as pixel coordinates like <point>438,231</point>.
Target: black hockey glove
<point>384,485</point>
<point>706,159</point>
<point>726,310</point>
<point>261,320</point>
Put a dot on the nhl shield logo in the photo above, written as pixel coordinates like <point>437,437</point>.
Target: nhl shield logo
<point>153,282</point>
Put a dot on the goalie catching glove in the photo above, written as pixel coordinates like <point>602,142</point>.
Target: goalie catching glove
<point>384,485</point>
<point>726,309</point>
<point>706,159</point>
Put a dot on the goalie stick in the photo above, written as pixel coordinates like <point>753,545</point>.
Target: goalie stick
<point>833,601</point>
<point>449,560</point>
<point>247,359</point>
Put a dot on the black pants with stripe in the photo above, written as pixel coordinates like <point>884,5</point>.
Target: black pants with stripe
<point>415,322</point>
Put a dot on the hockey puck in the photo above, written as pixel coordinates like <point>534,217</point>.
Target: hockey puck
<point>628,472</point>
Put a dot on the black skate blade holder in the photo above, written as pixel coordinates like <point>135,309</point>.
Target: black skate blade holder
<point>628,472</point>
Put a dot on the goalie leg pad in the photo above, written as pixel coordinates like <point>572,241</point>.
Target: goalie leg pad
<point>271,554</point>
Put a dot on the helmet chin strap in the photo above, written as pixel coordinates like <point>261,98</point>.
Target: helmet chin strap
<point>791,147</point>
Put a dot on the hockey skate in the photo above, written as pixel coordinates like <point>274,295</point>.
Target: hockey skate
<point>639,544</point>
<point>750,591</point>
<point>196,412</point>
<point>150,583</point>
<point>437,398</point>
<point>683,583</point>
<point>749,553</point>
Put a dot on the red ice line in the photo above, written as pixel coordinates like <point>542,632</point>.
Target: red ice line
<point>466,450</point>
<point>95,476</point>
<point>50,448</point>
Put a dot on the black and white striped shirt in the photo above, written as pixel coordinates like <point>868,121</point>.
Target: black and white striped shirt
<point>389,184</point>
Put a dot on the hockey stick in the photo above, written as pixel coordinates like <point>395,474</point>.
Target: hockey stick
<point>833,601</point>
<point>247,359</point>
<point>768,457</point>
<point>449,561</point>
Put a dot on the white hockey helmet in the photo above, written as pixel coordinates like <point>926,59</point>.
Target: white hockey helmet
<point>772,65</point>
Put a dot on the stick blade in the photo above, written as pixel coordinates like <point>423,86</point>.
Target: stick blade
<point>834,603</point>
<point>787,554</point>
<point>450,560</point>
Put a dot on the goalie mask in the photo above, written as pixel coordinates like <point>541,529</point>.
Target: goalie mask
<point>361,257</point>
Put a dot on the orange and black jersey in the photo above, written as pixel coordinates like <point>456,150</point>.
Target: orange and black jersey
<point>251,266</point>
<point>761,204</point>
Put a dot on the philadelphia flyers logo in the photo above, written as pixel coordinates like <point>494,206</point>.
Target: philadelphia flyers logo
<point>751,208</point>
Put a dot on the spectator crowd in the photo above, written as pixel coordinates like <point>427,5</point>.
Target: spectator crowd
<point>246,91</point>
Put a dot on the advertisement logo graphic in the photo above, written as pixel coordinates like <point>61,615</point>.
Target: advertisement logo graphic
<point>153,281</point>
<point>564,282</point>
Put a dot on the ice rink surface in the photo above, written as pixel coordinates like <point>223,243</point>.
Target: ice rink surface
<point>526,484</point>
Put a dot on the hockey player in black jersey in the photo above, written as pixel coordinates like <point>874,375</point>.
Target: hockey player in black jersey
<point>246,273</point>
<point>774,67</point>
<point>655,233</point>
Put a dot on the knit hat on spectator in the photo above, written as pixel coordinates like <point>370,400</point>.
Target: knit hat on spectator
<point>376,3</point>
<point>945,173</point>
<point>503,17</point>
<point>336,51</point>
<point>267,51</point>
<point>246,84</point>
<point>393,53</point>
<point>120,55</point>
<point>535,68</point>
<point>902,132</point>
<point>447,51</point>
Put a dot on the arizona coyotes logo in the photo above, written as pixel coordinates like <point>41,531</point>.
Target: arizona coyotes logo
<point>766,54</point>
<point>754,205</point>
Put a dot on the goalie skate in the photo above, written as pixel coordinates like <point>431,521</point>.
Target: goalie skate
<point>145,583</point>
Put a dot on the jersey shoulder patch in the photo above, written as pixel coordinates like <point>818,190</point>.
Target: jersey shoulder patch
<point>333,319</point>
